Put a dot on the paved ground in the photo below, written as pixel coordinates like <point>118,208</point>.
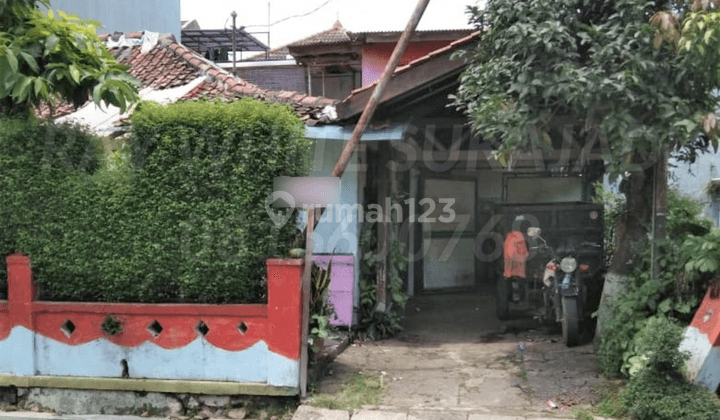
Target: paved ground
<point>455,360</point>
<point>35,416</point>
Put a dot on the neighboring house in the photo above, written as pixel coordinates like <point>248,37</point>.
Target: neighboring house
<point>419,149</point>
<point>162,16</point>
<point>274,69</point>
<point>168,72</point>
<point>334,62</point>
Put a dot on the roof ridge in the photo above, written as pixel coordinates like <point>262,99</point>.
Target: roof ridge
<point>337,27</point>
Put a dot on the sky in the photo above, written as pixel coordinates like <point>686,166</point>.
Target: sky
<point>355,16</point>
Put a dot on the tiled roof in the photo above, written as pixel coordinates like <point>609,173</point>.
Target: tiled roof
<point>279,53</point>
<point>170,64</point>
<point>335,35</point>
<point>419,61</point>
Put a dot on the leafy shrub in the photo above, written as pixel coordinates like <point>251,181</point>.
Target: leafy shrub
<point>658,391</point>
<point>676,292</point>
<point>659,396</point>
<point>177,215</point>
<point>377,321</point>
<point>321,309</point>
<point>37,162</point>
<point>657,346</point>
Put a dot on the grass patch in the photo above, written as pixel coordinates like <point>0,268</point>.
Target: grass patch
<point>610,404</point>
<point>583,413</point>
<point>358,391</point>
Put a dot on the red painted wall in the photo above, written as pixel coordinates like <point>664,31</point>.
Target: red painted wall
<point>376,56</point>
<point>278,323</point>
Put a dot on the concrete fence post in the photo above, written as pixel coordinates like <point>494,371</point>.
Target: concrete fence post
<point>21,293</point>
<point>284,320</point>
<point>702,341</point>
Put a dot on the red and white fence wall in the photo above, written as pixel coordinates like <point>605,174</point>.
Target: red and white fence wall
<point>251,344</point>
<point>702,341</point>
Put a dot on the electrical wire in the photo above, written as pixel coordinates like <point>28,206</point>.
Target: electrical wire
<point>294,16</point>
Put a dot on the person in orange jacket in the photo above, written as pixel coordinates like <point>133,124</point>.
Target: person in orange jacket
<point>515,253</point>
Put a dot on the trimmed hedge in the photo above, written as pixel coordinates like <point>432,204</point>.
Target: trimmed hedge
<point>36,162</point>
<point>178,215</point>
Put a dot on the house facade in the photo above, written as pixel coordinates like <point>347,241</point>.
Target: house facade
<point>420,163</point>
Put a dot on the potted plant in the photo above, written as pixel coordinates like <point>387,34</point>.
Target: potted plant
<point>321,309</point>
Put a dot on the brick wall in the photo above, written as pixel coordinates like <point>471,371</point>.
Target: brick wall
<point>276,78</point>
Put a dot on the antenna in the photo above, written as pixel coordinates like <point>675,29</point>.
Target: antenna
<point>269,25</point>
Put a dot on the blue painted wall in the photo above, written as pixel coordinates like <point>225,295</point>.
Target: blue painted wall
<point>127,16</point>
<point>333,234</point>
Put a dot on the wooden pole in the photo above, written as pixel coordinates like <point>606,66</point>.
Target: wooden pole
<point>660,209</point>
<point>383,242</point>
<point>306,286</point>
<point>340,167</point>
<point>372,104</point>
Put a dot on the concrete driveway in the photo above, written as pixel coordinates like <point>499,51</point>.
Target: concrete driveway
<point>456,360</point>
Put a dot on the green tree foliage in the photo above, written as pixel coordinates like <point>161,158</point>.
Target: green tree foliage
<point>46,58</point>
<point>547,64</point>
<point>593,71</point>
<point>692,27</point>
<point>177,215</point>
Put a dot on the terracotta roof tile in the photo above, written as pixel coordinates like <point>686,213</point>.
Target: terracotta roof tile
<point>335,35</point>
<point>276,54</point>
<point>170,64</point>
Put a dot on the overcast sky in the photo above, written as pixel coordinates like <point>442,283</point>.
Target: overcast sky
<point>355,15</point>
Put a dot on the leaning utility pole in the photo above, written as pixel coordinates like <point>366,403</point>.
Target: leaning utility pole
<point>341,165</point>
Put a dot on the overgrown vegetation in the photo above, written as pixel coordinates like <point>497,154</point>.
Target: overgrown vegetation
<point>358,391</point>
<point>321,309</point>
<point>613,206</point>
<point>641,341</point>
<point>686,262</point>
<point>111,325</point>
<point>381,320</point>
<point>657,389</point>
<point>178,215</point>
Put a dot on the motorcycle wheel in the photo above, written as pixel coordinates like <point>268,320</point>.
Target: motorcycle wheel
<point>502,299</point>
<point>571,321</point>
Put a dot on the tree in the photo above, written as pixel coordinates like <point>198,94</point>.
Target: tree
<point>44,58</point>
<point>592,69</point>
<point>692,27</point>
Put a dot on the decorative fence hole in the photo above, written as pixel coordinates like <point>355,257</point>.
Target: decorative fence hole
<point>68,328</point>
<point>242,328</point>
<point>202,328</point>
<point>111,326</point>
<point>155,328</point>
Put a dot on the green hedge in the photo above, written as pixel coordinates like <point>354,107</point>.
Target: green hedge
<point>36,162</point>
<point>177,215</point>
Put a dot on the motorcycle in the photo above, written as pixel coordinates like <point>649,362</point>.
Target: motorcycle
<point>558,289</point>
